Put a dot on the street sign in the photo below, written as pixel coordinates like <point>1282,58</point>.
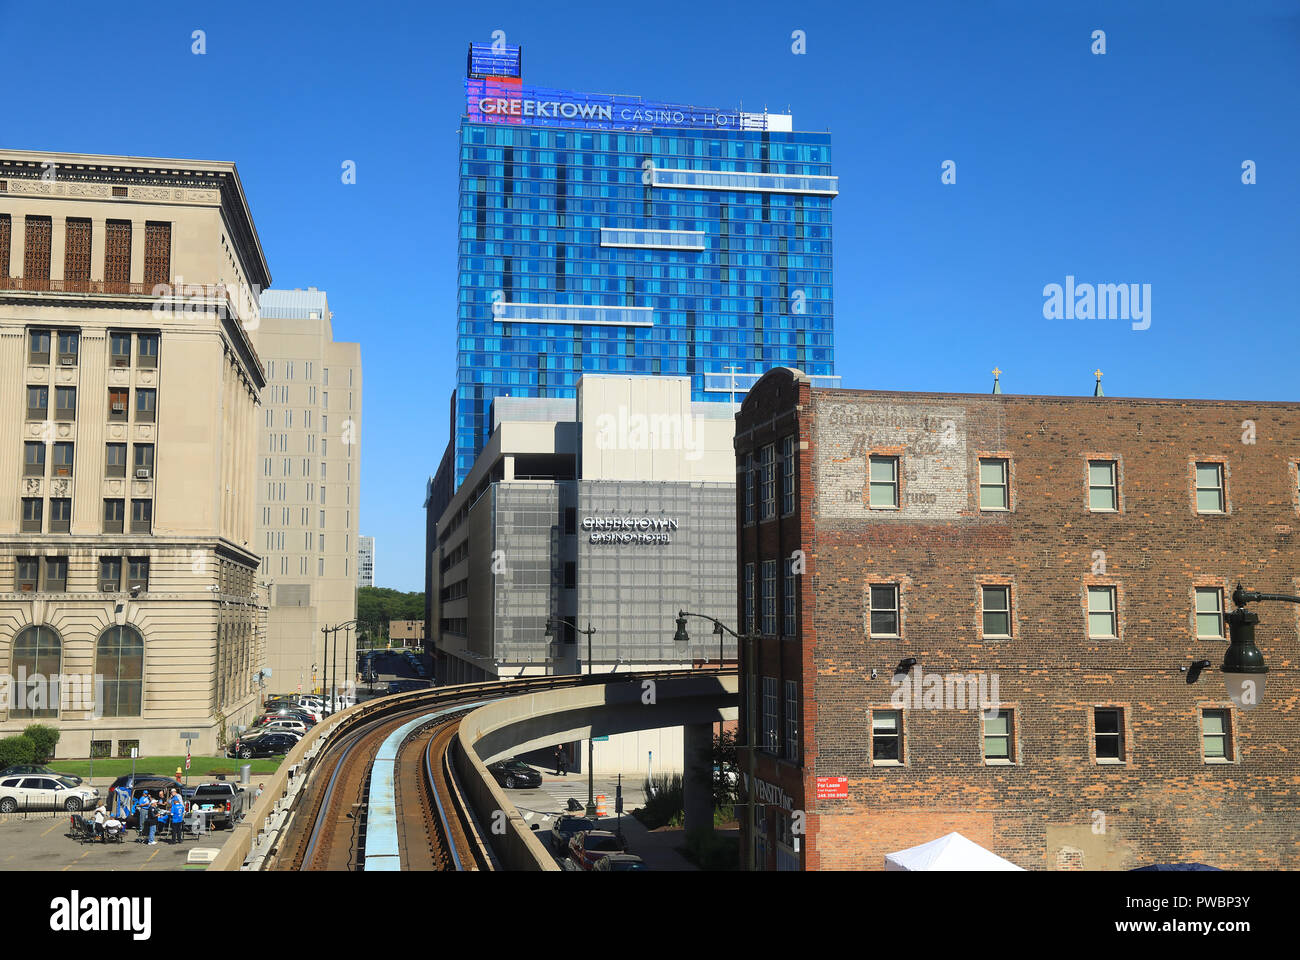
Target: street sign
<point>599,739</point>
<point>135,752</point>
<point>189,735</point>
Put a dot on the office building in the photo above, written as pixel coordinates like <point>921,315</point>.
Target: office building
<point>365,561</point>
<point>127,546</point>
<point>1004,616</point>
<point>309,481</point>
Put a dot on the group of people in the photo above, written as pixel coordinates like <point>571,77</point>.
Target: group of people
<point>150,812</point>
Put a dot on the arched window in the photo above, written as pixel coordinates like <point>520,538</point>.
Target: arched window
<point>34,664</point>
<point>119,659</point>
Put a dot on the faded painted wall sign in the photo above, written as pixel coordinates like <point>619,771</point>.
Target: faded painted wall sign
<point>929,440</point>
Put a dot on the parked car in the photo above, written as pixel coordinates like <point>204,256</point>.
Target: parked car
<point>225,798</point>
<point>271,743</point>
<point>565,826</point>
<point>35,771</point>
<point>514,773</point>
<point>288,713</point>
<point>285,723</point>
<point>588,846</point>
<point>619,863</point>
<point>44,793</point>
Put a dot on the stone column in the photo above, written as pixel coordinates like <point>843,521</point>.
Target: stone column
<point>697,776</point>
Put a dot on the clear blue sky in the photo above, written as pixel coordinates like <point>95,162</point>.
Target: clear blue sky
<point>1117,168</point>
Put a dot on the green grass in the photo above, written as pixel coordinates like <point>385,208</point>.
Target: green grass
<point>164,766</point>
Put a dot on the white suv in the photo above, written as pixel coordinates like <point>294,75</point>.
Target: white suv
<point>44,793</point>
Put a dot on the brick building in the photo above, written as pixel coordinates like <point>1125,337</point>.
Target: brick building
<point>1055,566</point>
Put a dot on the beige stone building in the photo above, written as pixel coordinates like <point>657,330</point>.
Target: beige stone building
<point>309,485</point>
<point>131,386</point>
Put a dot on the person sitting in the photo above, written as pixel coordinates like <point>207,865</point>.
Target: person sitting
<point>98,818</point>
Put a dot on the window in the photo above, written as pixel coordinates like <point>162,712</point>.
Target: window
<point>1209,488</point>
<point>63,457</point>
<point>1108,730</point>
<point>995,491</point>
<point>144,460</point>
<point>750,620</point>
<point>147,349</point>
<point>1103,487</point>
<point>999,737</point>
<point>6,233</point>
<point>1209,613</point>
<point>157,253</point>
<point>65,403</point>
<point>884,610</point>
<point>114,511</point>
<point>33,513</point>
<point>791,720</point>
<point>117,252</point>
<point>76,249</point>
<point>887,736</point>
<point>38,402</point>
<point>119,349</point>
<point>38,347</point>
<point>884,482</point>
<point>115,460</point>
<point>117,400</point>
<point>137,571</point>
<point>146,402</point>
<point>56,574</point>
<point>141,515</point>
<point>38,654</point>
<point>110,574</point>
<point>1216,735</point>
<point>995,609</point>
<point>787,476</point>
<point>27,574</point>
<point>119,659</point>
<point>69,343</point>
<point>787,598</point>
<point>767,483</point>
<point>769,597</point>
<point>749,490</point>
<point>36,250</point>
<point>771,735</point>
<point>34,459</point>
<point>1102,620</point>
<point>60,515</point>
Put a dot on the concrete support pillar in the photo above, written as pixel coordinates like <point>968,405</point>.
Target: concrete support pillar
<point>697,776</point>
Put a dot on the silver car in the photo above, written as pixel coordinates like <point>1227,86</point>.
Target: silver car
<point>45,793</point>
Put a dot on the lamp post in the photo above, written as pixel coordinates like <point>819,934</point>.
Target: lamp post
<point>591,751</point>
<point>329,672</point>
<point>681,636</point>
<point>1243,664</point>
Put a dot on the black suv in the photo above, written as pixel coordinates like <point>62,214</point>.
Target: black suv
<point>270,743</point>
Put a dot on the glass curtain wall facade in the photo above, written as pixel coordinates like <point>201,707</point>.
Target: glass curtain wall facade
<point>668,251</point>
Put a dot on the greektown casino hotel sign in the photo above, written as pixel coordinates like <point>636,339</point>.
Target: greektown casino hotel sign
<point>496,102</point>
<point>629,529</point>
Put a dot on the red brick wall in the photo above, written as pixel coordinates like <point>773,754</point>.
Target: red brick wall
<point>1056,807</point>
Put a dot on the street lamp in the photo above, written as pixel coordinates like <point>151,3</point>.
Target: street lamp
<point>1243,665</point>
<point>682,636</point>
<point>591,755</point>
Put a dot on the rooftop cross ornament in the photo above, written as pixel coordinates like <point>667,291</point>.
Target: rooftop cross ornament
<point>1098,391</point>
<point>997,386</point>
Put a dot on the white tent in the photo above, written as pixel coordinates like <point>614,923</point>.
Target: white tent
<point>953,852</point>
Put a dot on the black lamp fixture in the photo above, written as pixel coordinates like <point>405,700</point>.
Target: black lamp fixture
<point>905,665</point>
<point>1194,671</point>
<point>681,636</point>
<point>1243,664</point>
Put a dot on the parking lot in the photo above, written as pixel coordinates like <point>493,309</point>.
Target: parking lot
<point>37,842</point>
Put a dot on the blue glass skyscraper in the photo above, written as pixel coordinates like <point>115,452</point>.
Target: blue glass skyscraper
<point>607,234</point>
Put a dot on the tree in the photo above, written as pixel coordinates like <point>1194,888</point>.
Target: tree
<point>44,739</point>
<point>14,750</point>
<point>380,605</point>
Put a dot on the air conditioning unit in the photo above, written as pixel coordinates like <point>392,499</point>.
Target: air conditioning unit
<point>28,587</point>
<point>108,586</point>
<point>142,473</point>
<point>63,471</point>
<point>119,408</point>
<point>121,361</point>
<point>66,361</point>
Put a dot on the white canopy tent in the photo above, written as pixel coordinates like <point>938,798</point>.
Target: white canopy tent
<point>953,852</point>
